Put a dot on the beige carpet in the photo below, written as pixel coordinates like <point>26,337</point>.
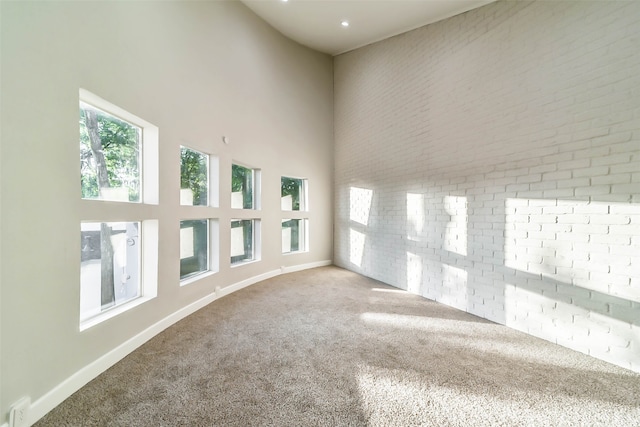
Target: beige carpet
<point>327,347</point>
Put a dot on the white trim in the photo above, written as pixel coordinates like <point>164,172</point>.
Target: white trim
<point>149,145</point>
<point>196,277</point>
<point>66,388</point>
<point>113,312</point>
<point>247,282</point>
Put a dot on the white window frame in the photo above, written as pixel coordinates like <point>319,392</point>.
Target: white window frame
<point>97,210</point>
<point>256,185</point>
<point>256,242</point>
<point>301,214</point>
<point>213,246</point>
<point>208,161</point>
<point>304,229</point>
<point>304,196</point>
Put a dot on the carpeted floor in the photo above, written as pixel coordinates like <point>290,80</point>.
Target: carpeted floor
<point>327,347</point>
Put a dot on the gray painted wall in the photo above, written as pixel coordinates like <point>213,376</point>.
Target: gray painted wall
<point>198,71</point>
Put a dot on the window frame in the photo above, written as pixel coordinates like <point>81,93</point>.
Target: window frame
<point>84,106</point>
<point>209,165</point>
<point>302,214</point>
<point>149,175</point>
<point>256,178</point>
<point>85,244</point>
<point>302,194</point>
<point>144,211</point>
<point>213,235</point>
<point>255,242</point>
<point>184,224</point>
<point>303,230</point>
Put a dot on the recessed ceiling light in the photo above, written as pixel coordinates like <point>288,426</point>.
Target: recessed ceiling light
<point>345,23</point>
<point>284,1</point>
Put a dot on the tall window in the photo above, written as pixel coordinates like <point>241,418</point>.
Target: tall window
<point>245,233</point>
<point>194,247</point>
<point>118,162</point>
<point>194,177</point>
<point>244,187</point>
<point>198,237</point>
<point>295,225</point>
<point>293,194</point>
<point>244,240</point>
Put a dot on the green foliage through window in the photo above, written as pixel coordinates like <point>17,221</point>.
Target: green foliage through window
<point>109,156</point>
<point>194,175</point>
<point>242,183</point>
<point>294,188</point>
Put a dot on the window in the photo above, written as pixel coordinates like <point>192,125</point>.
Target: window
<point>109,156</point>
<point>110,257</point>
<point>245,233</point>
<point>119,245</point>
<point>198,237</point>
<point>294,232</point>
<point>244,240</point>
<point>194,177</point>
<point>293,194</point>
<point>194,247</point>
<point>295,225</point>
<point>244,187</point>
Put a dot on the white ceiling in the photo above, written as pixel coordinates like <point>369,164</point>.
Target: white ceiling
<point>316,23</point>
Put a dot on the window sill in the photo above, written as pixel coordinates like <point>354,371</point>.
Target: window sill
<point>113,312</point>
<point>241,263</point>
<point>196,277</point>
<point>294,253</point>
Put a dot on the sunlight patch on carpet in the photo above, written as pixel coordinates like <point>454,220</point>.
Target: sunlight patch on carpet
<point>400,398</point>
<point>412,322</point>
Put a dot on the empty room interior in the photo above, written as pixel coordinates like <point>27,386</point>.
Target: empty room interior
<point>313,212</point>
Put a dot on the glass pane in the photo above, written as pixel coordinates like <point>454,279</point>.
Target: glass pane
<point>109,156</point>
<point>241,240</point>
<point>194,247</point>
<point>241,187</point>
<point>292,194</point>
<point>293,235</point>
<point>194,177</point>
<point>109,265</point>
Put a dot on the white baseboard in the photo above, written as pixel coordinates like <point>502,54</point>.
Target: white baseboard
<point>58,394</point>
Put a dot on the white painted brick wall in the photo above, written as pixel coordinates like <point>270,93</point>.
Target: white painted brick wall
<point>492,162</point>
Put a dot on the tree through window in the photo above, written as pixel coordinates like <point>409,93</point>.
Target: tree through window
<point>242,187</point>
<point>194,177</point>
<point>293,194</point>
<point>115,273</point>
<point>109,156</point>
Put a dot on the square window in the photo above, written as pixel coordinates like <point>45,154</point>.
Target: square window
<point>194,247</point>
<point>293,194</point>
<point>242,187</point>
<point>294,235</point>
<point>194,177</point>
<point>110,156</point>
<point>244,238</point>
<point>109,266</point>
